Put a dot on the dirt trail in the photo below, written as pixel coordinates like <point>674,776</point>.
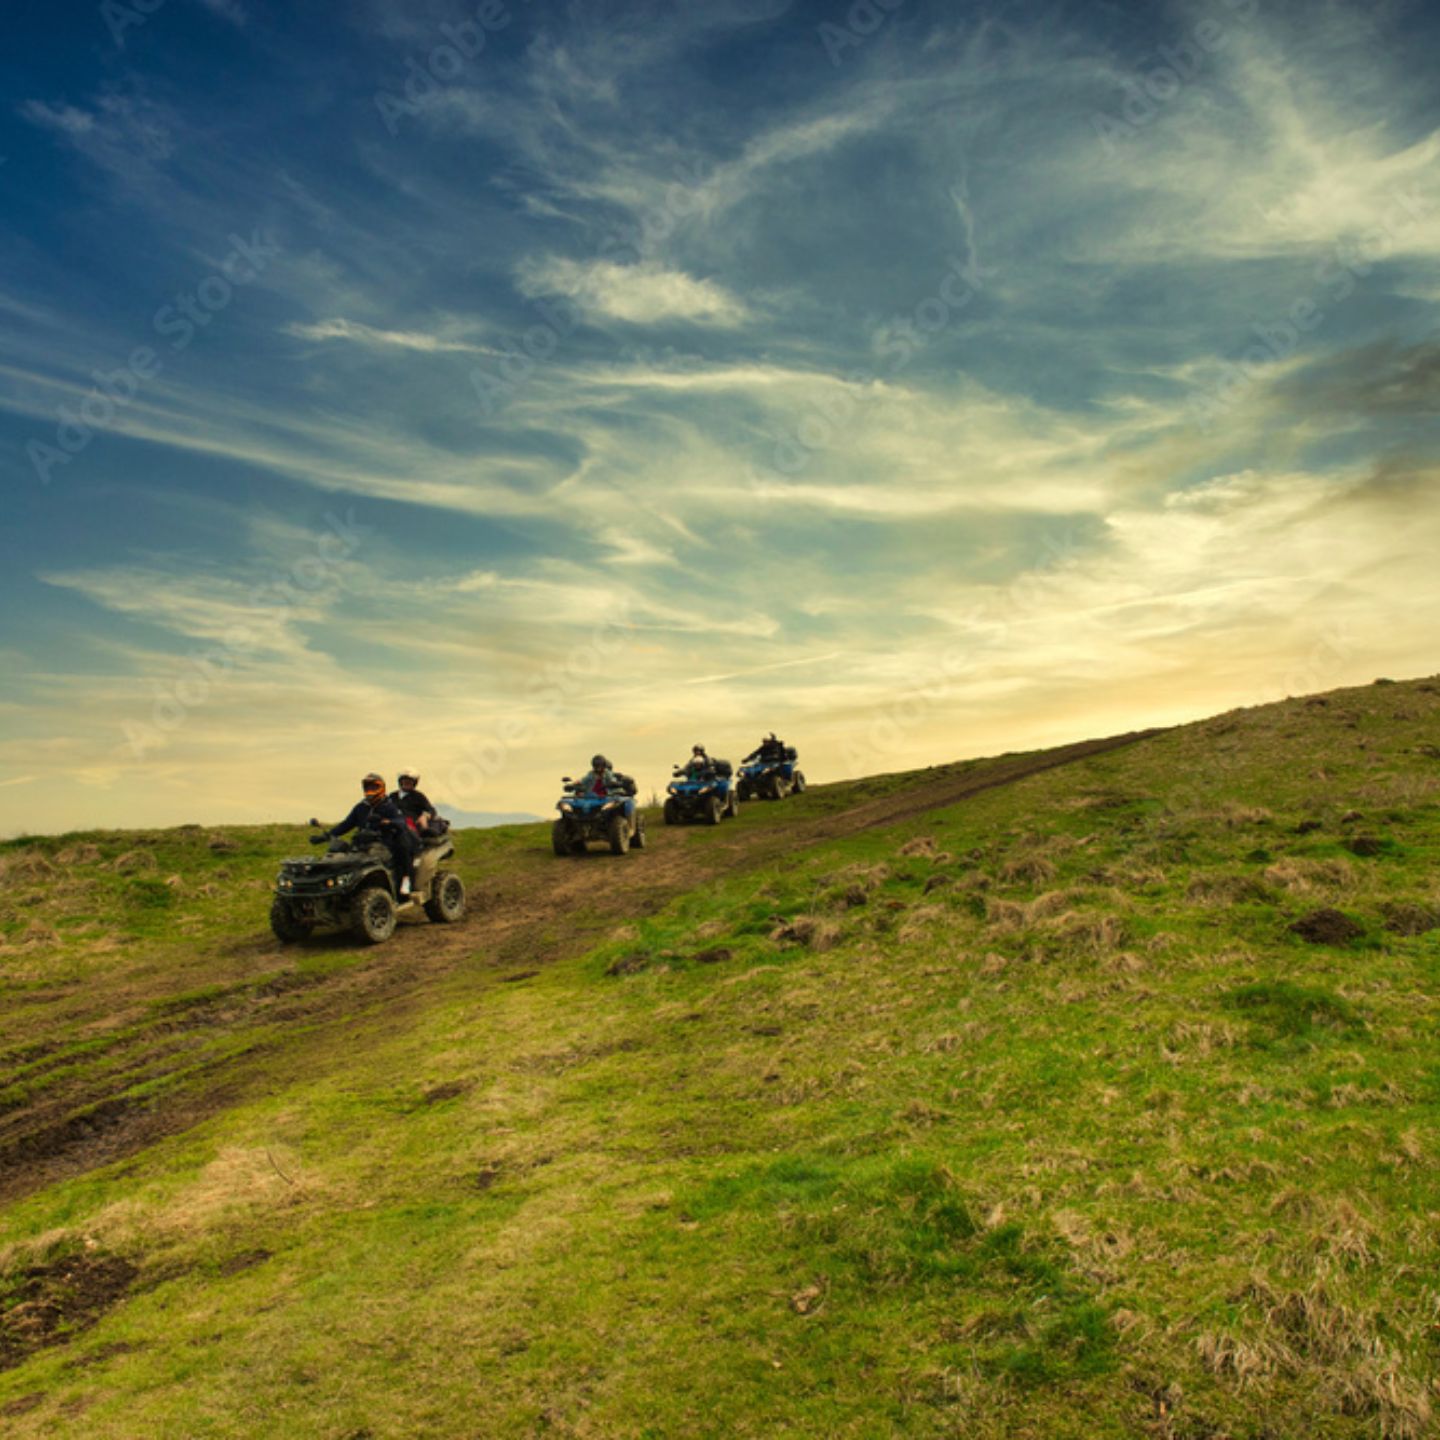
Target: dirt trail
<point>86,1120</point>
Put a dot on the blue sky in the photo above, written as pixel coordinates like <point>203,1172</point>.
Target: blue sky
<point>473,385</point>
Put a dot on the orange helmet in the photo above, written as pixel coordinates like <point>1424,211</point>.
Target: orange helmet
<point>374,787</point>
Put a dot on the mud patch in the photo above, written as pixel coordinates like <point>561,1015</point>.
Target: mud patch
<point>517,978</point>
<point>631,964</point>
<point>1327,927</point>
<point>50,1304</point>
<point>56,1139</point>
<point>712,957</point>
<point>101,1353</point>
<point>242,1261</point>
<point>448,1091</point>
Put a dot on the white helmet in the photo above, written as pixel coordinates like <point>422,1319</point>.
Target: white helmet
<point>410,773</point>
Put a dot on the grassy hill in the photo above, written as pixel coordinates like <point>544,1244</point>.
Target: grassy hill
<point>1090,1093</point>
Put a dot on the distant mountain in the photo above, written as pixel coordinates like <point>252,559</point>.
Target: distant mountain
<point>485,819</point>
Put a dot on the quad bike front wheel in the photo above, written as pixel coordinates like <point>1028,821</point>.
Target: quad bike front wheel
<point>779,789</point>
<point>714,810</point>
<point>619,835</point>
<point>799,783</point>
<point>732,803</point>
<point>447,898</point>
<point>372,915</point>
<point>288,927</point>
<point>671,812</point>
<point>560,838</point>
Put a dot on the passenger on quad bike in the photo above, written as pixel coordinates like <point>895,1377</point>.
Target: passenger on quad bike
<point>412,803</point>
<point>379,813</point>
<point>698,763</point>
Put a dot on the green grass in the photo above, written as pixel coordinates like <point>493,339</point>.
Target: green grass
<point>1029,1117</point>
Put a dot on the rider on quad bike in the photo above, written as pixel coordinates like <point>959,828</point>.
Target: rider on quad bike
<point>378,812</point>
<point>599,806</point>
<point>770,771</point>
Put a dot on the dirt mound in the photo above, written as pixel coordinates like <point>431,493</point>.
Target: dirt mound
<point>920,845</point>
<point>37,936</point>
<point>25,865</point>
<point>133,861</point>
<point>78,855</point>
<point>810,931</point>
<point>1327,927</point>
<point>50,1304</point>
<point>1409,919</point>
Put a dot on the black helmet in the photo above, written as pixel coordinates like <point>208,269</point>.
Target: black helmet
<point>697,749</point>
<point>599,762</point>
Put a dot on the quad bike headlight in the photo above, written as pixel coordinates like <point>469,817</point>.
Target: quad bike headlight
<point>670,789</point>
<point>566,807</point>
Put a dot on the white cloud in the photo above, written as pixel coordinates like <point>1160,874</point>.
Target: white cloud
<point>370,336</point>
<point>639,294</point>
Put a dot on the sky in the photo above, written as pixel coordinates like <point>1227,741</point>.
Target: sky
<point>478,385</point>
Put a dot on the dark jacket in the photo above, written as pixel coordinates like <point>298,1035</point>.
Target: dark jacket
<point>412,803</point>
<point>366,816</point>
<point>767,751</point>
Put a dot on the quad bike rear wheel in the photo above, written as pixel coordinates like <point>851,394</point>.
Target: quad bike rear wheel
<point>638,839</point>
<point>447,898</point>
<point>372,915</point>
<point>287,926</point>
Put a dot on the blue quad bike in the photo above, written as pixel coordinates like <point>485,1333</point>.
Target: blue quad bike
<point>584,818</point>
<point>772,779</point>
<point>709,795</point>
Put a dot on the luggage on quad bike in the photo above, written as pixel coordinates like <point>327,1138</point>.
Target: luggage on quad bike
<point>584,818</point>
<point>353,886</point>
<point>709,795</point>
<point>772,779</point>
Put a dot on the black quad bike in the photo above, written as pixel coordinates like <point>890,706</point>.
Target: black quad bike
<point>584,818</point>
<point>353,886</point>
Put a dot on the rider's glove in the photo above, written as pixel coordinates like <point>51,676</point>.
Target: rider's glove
<point>318,839</point>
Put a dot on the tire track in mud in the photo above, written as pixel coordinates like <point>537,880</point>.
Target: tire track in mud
<point>84,1123</point>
